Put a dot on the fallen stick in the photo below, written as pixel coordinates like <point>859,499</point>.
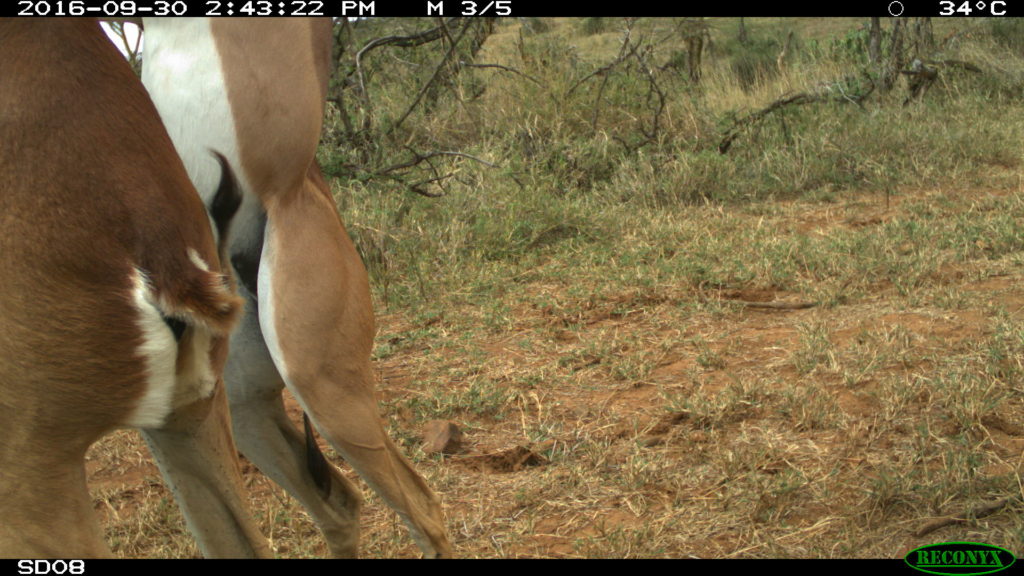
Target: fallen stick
<point>979,512</point>
<point>778,305</point>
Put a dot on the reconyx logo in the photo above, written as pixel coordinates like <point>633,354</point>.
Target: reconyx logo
<point>959,558</point>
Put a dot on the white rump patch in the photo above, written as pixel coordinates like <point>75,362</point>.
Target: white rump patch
<point>183,74</point>
<point>160,351</point>
<point>171,382</point>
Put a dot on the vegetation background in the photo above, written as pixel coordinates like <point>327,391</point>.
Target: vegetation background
<point>691,287</point>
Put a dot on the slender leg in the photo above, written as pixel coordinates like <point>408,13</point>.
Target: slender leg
<point>267,438</point>
<point>55,522</point>
<point>197,457</point>
<point>325,292</point>
<point>362,441</point>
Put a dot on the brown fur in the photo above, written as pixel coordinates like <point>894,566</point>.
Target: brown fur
<point>322,305</point>
<point>270,92</point>
<point>90,190</point>
<point>276,73</point>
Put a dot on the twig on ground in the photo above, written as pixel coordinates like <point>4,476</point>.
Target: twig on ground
<point>977,512</point>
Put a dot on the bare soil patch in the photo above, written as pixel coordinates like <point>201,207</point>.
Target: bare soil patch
<point>682,423</point>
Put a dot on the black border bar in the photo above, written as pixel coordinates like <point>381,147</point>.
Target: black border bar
<point>509,8</point>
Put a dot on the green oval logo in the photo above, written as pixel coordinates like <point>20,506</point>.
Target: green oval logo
<point>959,558</point>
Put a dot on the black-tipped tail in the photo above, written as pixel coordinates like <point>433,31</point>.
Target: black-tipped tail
<point>226,201</point>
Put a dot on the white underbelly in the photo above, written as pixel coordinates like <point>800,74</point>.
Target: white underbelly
<point>182,71</point>
<point>184,75</point>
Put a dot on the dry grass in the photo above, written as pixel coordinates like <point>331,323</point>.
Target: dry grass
<point>582,312</point>
<point>675,423</point>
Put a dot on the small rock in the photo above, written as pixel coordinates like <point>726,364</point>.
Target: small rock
<point>441,436</point>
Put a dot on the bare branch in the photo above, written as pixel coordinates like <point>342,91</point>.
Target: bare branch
<point>623,54</point>
<point>418,158</point>
<point>778,305</point>
<point>402,41</point>
<point>824,93</point>
<point>662,99</point>
<point>132,51</point>
<point>417,187</point>
<point>433,78</point>
<point>500,67</point>
<point>410,41</point>
<point>627,50</point>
